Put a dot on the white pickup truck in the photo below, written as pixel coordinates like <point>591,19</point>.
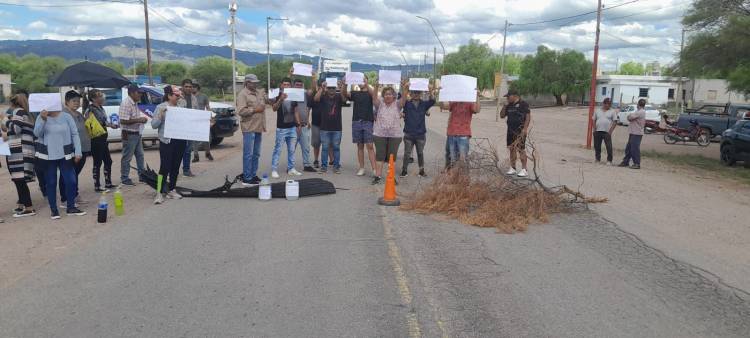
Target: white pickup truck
<point>149,100</point>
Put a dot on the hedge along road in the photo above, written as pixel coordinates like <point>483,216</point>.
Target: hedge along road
<point>342,266</point>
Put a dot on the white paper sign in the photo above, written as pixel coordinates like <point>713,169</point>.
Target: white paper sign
<point>187,124</point>
<point>302,69</point>
<point>458,88</point>
<point>274,93</point>
<point>295,94</point>
<point>419,84</point>
<point>389,77</point>
<point>45,101</point>
<point>4,148</point>
<point>332,82</point>
<point>355,78</point>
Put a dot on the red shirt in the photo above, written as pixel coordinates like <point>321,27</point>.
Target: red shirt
<point>459,122</point>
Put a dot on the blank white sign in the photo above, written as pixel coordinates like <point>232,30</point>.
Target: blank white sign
<point>389,77</point>
<point>419,84</point>
<point>295,94</point>
<point>355,78</point>
<point>332,82</point>
<point>302,69</point>
<point>187,124</point>
<point>45,101</point>
<point>458,88</point>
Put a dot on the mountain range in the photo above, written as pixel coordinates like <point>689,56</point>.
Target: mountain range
<point>129,50</point>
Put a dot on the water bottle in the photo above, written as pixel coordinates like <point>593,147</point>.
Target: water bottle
<point>264,191</point>
<point>292,190</point>
<point>119,204</point>
<point>102,210</point>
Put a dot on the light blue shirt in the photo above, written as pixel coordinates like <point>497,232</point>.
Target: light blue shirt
<point>56,134</point>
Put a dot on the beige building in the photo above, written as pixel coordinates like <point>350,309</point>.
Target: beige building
<point>6,88</point>
<point>711,91</point>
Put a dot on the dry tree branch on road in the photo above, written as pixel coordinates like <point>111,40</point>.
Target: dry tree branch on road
<point>479,193</point>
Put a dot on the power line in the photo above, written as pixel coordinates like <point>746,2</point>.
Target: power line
<point>162,17</point>
<point>574,16</point>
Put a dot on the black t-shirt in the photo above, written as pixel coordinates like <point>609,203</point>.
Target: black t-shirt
<point>362,110</point>
<point>517,114</point>
<point>330,112</point>
<point>315,110</point>
<point>285,115</point>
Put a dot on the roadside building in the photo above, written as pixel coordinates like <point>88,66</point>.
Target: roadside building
<point>711,91</point>
<point>627,89</point>
<point>6,88</point>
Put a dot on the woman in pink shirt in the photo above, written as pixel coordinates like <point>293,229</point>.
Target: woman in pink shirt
<point>387,131</point>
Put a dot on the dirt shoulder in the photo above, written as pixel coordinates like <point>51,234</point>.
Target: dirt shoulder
<point>692,215</point>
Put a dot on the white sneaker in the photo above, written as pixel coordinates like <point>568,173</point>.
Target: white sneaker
<point>511,171</point>
<point>275,174</point>
<point>174,195</point>
<point>159,199</point>
<point>361,172</point>
<point>609,164</point>
<point>294,172</point>
<point>523,173</point>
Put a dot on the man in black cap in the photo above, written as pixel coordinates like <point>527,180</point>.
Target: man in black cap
<point>519,118</point>
<point>132,121</point>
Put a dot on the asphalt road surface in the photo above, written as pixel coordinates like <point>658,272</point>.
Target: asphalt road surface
<point>342,266</point>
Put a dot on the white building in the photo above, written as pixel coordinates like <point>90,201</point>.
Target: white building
<point>711,91</point>
<point>627,89</point>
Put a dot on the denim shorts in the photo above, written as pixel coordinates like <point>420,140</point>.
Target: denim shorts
<point>362,132</point>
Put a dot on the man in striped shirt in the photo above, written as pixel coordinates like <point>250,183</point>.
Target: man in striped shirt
<point>132,121</point>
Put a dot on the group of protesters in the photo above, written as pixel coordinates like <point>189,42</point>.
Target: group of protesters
<point>52,147</point>
<point>376,129</point>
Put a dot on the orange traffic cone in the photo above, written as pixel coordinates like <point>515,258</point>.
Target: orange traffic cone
<point>389,195</point>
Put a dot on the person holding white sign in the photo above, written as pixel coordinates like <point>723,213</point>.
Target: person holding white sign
<point>329,103</point>
<point>18,131</point>
<point>287,123</point>
<point>363,118</point>
<point>459,129</point>
<point>387,132</point>
<point>171,151</point>
<point>415,127</point>
<point>59,146</point>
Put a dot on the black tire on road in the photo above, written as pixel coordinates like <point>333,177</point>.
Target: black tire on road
<point>727,155</point>
<point>670,138</point>
<point>704,139</point>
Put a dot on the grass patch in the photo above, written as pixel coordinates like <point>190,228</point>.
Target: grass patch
<point>710,165</point>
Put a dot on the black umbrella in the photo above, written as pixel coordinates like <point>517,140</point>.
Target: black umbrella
<point>89,74</point>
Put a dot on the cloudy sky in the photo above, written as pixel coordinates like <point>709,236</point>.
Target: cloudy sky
<point>374,31</point>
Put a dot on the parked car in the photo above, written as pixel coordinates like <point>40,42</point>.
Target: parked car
<point>714,118</point>
<point>735,144</point>
<point>225,124</point>
<point>652,114</point>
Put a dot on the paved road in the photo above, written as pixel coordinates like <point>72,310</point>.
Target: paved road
<point>340,265</point>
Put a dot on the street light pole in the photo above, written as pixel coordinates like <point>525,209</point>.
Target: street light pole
<point>502,72</point>
<point>434,32</point>
<point>232,13</point>
<point>268,48</point>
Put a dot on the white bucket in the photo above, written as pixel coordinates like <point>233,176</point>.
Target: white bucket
<point>292,190</point>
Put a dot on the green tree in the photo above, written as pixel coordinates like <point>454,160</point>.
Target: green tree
<point>553,72</point>
<point>632,68</point>
<point>114,64</point>
<point>279,70</point>
<point>172,72</point>
<point>8,64</point>
<point>33,72</point>
<point>477,60</point>
<point>214,73</point>
<point>720,43</point>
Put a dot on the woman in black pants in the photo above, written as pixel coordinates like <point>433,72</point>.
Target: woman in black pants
<point>19,132</point>
<point>99,145</point>
<point>170,150</point>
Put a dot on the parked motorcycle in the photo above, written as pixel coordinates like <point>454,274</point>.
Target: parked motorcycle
<point>693,134</point>
<point>658,127</point>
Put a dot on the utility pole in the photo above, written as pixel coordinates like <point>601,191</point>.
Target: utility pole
<point>592,96</point>
<point>502,72</point>
<point>320,61</point>
<point>268,48</point>
<point>232,12</point>
<point>679,84</point>
<point>135,75</point>
<point>434,62</point>
<point>148,44</point>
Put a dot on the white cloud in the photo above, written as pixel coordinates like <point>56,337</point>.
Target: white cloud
<point>8,34</point>
<point>38,25</point>
<point>374,30</point>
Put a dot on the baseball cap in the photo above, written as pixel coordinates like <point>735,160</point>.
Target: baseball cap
<point>511,92</point>
<point>72,94</point>
<point>251,78</point>
<point>134,88</point>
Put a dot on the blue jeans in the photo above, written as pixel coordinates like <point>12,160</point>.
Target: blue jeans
<point>187,156</point>
<point>633,150</point>
<point>458,148</point>
<point>131,146</point>
<point>68,174</point>
<point>328,140</point>
<point>288,136</point>
<point>303,140</point>
<point>250,154</point>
